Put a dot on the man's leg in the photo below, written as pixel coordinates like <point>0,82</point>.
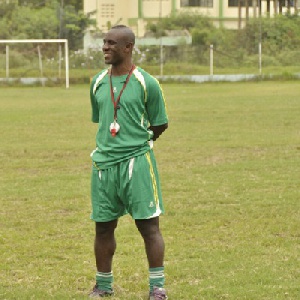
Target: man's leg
<point>155,248</point>
<point>104,246</point>
<point>154,243</point>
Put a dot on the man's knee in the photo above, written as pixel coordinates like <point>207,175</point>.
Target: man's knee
<point>149,227</point>
<point>105,228</point>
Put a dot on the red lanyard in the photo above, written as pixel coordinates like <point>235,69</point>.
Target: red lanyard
<point>116,102</point>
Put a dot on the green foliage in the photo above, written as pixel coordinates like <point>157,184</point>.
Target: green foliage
<point>27,23</point>
<point>200,36</point>
<point>78,4</point>
<point>49,21</point>
<point>185,21</point>
<point>16,59</point>
<point>280,38</point>
<point>181,21</point>
<point>276,34</point>
<point>74,25</point>
<point>6,9</point>
<point>289,58</point>
<point>92,60</point>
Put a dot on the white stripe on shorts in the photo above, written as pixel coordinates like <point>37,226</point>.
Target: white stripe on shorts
<point>131,163</point>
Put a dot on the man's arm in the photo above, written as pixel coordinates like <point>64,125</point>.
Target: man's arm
<point>158,130</point>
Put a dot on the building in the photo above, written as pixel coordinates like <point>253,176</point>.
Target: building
<point>228,13</point>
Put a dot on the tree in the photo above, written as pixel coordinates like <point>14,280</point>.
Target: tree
<point>77,4</point>
<point>44,20</point>
<point>74,25</point>
<point>180,22</point>
<point>276,34</point>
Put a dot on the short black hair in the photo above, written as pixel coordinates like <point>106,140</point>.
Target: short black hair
<point>130,36</point>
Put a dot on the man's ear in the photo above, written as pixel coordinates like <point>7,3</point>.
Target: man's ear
<point>129,47</point>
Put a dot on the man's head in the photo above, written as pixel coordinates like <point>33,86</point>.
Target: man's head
<point>118,44</point>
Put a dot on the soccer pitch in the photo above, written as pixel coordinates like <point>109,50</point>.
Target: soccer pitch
<point>230,172</point>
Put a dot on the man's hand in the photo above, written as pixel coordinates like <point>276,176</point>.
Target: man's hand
<point>158,130</point>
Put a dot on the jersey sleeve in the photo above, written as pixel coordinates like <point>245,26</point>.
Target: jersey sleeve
<point>156,105</point>
<point>94,104</point>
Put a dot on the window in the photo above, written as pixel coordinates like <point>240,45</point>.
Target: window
<point>235,3</point>
<point>196,3</point>
<point>286,3</point>
<point>107,10</point>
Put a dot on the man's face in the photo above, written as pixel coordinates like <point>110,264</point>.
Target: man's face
<point>114,47</point>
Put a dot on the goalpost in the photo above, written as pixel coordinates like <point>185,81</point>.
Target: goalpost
<point>37,41</point>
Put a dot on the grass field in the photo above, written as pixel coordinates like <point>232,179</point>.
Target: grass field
<point>230,172</point>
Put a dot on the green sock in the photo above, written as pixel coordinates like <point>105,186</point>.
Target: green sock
<point>156,277</point>
<point>104,281</point>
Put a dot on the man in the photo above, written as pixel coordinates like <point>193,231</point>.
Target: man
<point>129,106</point>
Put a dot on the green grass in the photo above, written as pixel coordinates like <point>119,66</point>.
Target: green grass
<point>230,171</point>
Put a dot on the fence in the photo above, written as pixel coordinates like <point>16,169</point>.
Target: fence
<point>212,60</point>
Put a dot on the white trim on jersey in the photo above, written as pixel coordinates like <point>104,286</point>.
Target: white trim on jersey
<point>99,78</point>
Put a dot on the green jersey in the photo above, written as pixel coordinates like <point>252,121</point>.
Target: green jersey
<point>141,104</point>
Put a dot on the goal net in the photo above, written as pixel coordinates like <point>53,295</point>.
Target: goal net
<point>31,61</point>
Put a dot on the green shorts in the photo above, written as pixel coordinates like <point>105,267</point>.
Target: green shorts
<point>131,186</point>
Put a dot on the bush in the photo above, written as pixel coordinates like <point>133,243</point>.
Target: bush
<point>91,60</point>
<point>17,59</point>
<point>289,58</point>
<point>270,61</point>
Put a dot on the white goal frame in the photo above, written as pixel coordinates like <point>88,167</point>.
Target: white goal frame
<point>58,41</point>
